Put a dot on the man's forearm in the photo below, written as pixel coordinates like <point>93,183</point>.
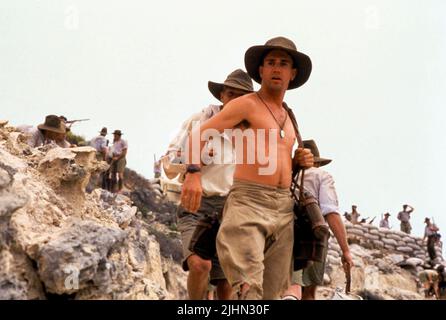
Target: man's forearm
<point>337,227</point>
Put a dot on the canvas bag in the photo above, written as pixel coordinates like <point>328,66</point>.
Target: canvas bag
<point>310,231</point>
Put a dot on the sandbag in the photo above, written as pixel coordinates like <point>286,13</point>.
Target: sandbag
<point>371,237</point>
<point>414,262</point>
<point>334,246</point>
<point>408,240</point>
<point>356,232</point>
<point>385,231</point>
<point>389,242</point>
<point>333,253</point>
<point>422,257</point>
<point>389,247</point>
<point>404,249</point>
<point>378,244</point>
<point>414,246</point>
<point>333,261</point>
<point>393,237</point>
<point>358,227</point>
<point>400,233</point>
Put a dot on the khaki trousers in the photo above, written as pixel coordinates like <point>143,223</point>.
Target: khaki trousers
<point>255,239</point>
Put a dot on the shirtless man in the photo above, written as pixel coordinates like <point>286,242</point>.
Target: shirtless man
<point>255,239</point>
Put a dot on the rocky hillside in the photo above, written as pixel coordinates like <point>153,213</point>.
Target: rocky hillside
<point>56,241</point>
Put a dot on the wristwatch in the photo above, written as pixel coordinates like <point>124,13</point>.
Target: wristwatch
<point>192,168</point>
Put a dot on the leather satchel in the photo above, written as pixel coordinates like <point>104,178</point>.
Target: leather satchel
<point>310,231</point>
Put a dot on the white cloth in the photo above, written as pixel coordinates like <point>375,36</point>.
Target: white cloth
<point>64,144</point>
<point>384,224</point>
<point>119,146</point>
<point>217,176</point>
<point>321,186</point>
<point>99,143</point>
<point>35,136</point>
<point>403,216</point>
<point>37,139</point>
<point>179,142</point>
<point>428,231</point>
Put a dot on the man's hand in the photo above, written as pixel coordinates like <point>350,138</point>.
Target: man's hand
<point>347,261</point>
<point>191,192</point>
<point>303,157</point>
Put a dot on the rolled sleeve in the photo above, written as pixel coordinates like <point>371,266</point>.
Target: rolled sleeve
<point>328,199</point>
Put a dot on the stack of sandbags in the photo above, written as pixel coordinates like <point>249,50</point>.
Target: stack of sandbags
<point>439,253</point>
<point>334,252</point>
<point>373,236</point>
<point>356,231</point>
<point>389,239</point>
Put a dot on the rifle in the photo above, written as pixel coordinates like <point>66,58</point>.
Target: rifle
<point>371,221</point>
<point>70,122</point>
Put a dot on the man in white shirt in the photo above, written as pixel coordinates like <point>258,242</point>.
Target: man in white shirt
<point>321,186</point>
<point>430,232</point>
<point>119,161</point>
<point>100,143</point>
<point>384,223</point>
<point>216,178</point>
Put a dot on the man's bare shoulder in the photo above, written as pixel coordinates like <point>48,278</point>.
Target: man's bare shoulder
<point>245,102</point>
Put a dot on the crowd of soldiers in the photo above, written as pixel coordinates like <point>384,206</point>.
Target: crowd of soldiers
<point>54,131</point>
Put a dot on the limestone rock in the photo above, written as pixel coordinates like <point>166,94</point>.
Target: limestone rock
<point>18,279</point>
<point>396,258</point>
<point>75,254</point>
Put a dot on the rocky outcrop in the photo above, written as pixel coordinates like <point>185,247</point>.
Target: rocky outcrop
<point>58,241</point>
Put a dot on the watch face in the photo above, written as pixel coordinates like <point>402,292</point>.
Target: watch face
<point>192,168</point>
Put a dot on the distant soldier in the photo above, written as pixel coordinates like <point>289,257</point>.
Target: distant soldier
<point>404,217</point>
<point>384,223</point>
<point>354,215</point>
<point>53,130</point>
<point>430,232</point>
<point>433,281</point>
<point>119,161</point>
<point>100,143</point>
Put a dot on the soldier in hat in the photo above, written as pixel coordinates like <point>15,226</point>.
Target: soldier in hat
<point>100,143</point>
<point>52,130</point>
<point>118,161</point>
<point>216,180</point>
<point>259,210</point>
<point>321,185</point>
<point>430,233</point>
<point>404,217</point>
<point>355,215</point>
<point>384,223</point>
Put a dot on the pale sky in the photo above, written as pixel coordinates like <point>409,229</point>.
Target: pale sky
<point>374,102</point>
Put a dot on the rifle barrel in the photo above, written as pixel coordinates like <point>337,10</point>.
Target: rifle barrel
<point>77,120</point>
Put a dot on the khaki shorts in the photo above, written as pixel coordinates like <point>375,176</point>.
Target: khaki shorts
<point>120,165</point>
<point>187,222</point>
<point>426,274</point>
<point>255,239</point>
